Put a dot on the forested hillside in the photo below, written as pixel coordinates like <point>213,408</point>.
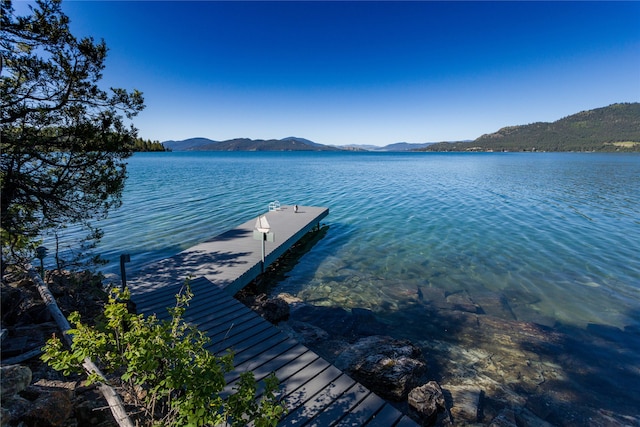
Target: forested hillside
<point>612,128</point>
<point>147,145</point>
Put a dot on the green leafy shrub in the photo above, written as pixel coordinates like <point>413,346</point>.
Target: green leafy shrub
<point>164,368</point>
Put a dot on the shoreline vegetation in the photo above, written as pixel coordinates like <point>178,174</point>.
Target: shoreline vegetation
<point>146,145</point>
<point>615,128</point>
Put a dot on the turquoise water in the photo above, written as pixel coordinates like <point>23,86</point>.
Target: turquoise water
<point>562,231</point>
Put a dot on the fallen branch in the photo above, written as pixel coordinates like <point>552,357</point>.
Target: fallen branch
<point>22,357</point>
<point>113,399</point>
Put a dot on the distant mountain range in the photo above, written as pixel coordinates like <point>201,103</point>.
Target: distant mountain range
<point>291,143</point>
<point>612,128</point>
<point>398,146</point>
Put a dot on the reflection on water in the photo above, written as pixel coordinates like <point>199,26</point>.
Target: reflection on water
<point>546,238</point>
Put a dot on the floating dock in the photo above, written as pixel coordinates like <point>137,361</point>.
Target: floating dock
<point>315,392</point>
<point>234,258</point>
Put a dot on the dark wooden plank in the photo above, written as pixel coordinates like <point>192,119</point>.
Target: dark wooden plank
<point>301,362</point>
<point>406,422</point>
<point>244,340</point>
<point>239,324</point>
<point>320,395</point>
<point>160,293</point>
<point>263,352</point>
<point>295,382</point>
<point>203,300</point>
<point>363,412</point>
<point>303,358</point>
<point>208,299</point>
<point>219,313</point>
<point>386,417</point>
<point>341,405</point>
<point>273,365</point>
<point>279,362</point>
<point>245,345</point>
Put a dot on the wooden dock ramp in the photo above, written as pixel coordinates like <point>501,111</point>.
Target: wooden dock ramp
<point>315,392</point>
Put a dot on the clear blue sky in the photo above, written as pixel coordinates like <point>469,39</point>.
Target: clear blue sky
<point>363,72</point>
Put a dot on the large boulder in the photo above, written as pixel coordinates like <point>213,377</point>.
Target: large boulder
<point>427,401</point>
<point>52,408</point>
<point>13,380</point>
<point>387,366</point>
<point>273,310</point>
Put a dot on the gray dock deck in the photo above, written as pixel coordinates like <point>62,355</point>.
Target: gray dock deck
<point>234,258</point>
<point>315,392</point>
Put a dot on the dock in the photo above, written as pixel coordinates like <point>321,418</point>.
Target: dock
<point>315,392</point>
<point>233,259</point>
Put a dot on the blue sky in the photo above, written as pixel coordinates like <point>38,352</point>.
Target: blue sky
<point>363,72</point>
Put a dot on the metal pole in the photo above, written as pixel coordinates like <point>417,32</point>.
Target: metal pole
<point>123,273</point>
<point>264,238</point>
<point>41,253</point>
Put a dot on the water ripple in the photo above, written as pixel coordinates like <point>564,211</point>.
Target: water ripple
<point>558,232</point>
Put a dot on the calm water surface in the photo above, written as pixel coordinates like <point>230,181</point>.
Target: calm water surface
<point>559,231</point>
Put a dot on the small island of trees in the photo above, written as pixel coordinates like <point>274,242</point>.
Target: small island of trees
<point>142,145</point>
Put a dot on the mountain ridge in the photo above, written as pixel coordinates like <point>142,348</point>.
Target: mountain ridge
<point>290,143</point>
<point>612,128</point>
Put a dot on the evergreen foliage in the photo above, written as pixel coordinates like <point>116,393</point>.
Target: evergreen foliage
<point>147,145</point>
<point>64,140</point>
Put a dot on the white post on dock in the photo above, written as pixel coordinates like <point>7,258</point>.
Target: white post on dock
<point>263,233</point>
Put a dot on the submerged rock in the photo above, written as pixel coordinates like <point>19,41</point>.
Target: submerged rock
<point>466,403</point>
<point>387,366</point>
<point>506,418</point>
<point>304,332</point>
<point>273,310</point>
<point>340,323</point>
<point>427,401</point>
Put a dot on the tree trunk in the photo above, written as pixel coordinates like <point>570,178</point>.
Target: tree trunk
<point>112,398</point>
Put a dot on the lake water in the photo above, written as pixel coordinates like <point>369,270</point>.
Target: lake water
<point>562,227</point>
<point>555,235</point>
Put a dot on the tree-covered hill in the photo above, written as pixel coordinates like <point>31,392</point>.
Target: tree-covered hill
<point>612,128</point>
<point>140,144</point>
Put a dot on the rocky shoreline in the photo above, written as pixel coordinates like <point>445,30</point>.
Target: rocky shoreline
<point>32,393</point>
<point>528,378</point>
<point>532,375</point>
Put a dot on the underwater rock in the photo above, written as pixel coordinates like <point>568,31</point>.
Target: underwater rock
<point>506,418</point>
<point>387,366</point>
<point>466,401</point>
<point>427,401</point>
<point>461,301</point>
<point>273,310</point>
<point>308,333</point>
